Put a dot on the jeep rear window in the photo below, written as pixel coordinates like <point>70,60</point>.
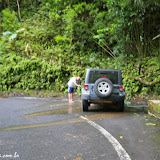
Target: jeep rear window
<point>111,75</point>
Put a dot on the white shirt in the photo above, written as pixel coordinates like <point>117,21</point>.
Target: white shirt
<point>71,82</point>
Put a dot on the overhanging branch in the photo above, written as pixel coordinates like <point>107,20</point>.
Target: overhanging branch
<point>146,82</point>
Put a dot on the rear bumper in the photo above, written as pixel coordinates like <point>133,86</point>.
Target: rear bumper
<point>112,97</point>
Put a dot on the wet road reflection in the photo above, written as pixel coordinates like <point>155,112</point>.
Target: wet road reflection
<point>108,110</point>
<point>96,111</point>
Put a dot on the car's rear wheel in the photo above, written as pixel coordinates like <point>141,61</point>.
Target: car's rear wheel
<point>85,105</point>
<point>103,87</point>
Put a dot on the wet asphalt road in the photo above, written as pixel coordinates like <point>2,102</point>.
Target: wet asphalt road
<point>51,129</point>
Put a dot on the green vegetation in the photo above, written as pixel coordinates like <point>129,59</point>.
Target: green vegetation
<point>45,42</point>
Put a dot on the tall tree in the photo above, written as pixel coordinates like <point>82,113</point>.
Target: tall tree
<point>19,12</point>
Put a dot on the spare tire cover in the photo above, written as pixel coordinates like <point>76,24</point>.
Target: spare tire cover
<point>103,87</point>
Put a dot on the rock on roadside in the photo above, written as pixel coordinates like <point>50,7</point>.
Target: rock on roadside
<point>154,108</point>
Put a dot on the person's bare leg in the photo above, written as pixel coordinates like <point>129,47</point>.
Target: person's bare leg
<point>69,96</point>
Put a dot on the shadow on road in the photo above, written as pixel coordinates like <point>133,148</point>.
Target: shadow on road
<point>113,108</point>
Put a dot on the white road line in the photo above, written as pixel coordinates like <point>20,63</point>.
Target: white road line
<point>123,155</point>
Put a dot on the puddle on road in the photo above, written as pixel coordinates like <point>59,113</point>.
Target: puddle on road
<point>52,105</point>
<point>54,112</point>
<point>95,113</point>
<point>76,107</point>
<point>71,108</point>
<point>105,115</point>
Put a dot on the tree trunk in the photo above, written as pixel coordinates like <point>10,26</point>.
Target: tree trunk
<point>8,4</point>
<point>19,13</point>
<point>4,2</point>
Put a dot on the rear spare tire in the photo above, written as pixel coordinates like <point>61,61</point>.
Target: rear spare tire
<point>103,87</point>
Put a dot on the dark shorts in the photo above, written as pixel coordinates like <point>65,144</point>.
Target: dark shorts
<point>70,89</point>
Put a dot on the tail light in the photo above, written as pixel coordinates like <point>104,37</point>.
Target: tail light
<point>86,87</point>
<point>121,88</point>
<point>104,77</point>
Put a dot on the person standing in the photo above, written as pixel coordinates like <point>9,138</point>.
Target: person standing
<point>71,83</point>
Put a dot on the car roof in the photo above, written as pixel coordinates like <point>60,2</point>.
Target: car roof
<point>103,70</point>
<point>91,69</point>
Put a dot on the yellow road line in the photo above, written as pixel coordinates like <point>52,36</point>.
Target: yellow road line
<point>76,120</point>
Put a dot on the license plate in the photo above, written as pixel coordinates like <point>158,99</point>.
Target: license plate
<point>86,92</point>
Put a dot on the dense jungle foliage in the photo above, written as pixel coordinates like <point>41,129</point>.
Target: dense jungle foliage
<point>43,43</point>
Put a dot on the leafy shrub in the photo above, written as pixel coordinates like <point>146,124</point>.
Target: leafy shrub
<point>9,20</point>
<point>61,39</point>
